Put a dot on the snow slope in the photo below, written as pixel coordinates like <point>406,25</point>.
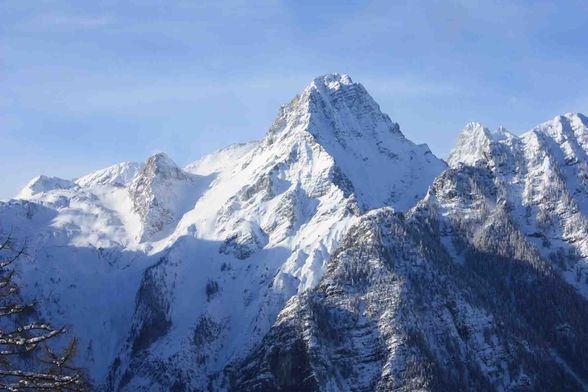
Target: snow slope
<point>120,174</point>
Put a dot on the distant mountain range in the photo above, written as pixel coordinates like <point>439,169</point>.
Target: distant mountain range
<point>332,255</point>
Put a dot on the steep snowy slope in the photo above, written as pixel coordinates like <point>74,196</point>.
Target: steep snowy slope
<point>120,174</point>
<point>221,160</point>
<point>196,264</point>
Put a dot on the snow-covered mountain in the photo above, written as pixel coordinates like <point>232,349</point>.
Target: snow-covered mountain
<point>480,286</point>
<point>168,275</point>
<point>333,254</point>
<point>397,311</point>
<point>540,180</point>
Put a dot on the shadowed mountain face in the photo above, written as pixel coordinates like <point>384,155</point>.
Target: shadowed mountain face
<point>332,255</point>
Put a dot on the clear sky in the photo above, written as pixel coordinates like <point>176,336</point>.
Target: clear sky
<point>85,84</point>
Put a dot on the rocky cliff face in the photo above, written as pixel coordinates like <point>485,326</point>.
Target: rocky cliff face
<point>333,254</point>
<point>161,194</point>
<point>398,309</point>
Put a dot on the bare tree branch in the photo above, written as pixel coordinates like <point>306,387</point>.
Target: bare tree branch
<point>41,369</point>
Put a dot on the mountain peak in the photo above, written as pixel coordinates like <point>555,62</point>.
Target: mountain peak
<point>161,193</point>
<point>569,126</point>
<point>332,81</point>
<point>572,116</point>
<point>338,116</point>
<point>473,126</point>
<point>574,120</point>
<point>474,144</point>
<point>333,108</point>
<point>161,165</point>
<point>331,86</point>
<point>161,158</point>
<point>42,184</point>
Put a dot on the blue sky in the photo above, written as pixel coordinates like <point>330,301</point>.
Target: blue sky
<point>85,84</point>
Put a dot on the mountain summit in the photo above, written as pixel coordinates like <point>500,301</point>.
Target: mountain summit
<point>364,143</point>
